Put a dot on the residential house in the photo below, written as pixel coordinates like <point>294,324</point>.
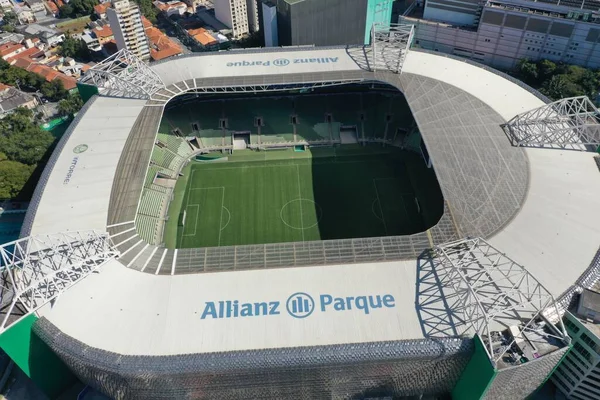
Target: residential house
<point>171,7</point>
<point>53,8</point>
<point>24,15</point>
<point>104,34</point>
<point>12,98</point>
<point>5,4</point>
<point>161,46</point>
<point>10,49</point>
<point>36,5</point>
<point>100,10</point>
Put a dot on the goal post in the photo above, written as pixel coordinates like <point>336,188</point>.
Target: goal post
<point>181,221</point>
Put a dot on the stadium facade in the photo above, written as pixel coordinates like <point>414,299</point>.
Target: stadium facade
<point>148,322</point>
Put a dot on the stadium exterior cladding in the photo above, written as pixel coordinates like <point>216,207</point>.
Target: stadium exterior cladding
<point>139,335</point>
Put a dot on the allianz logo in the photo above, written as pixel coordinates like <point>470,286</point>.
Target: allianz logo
<point>298,305</point>
<point>282,62</point>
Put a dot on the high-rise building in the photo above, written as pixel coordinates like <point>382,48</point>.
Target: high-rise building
<point>329,22</point>
<point>126,23</point>
<point>269,23</point>
<point>578,375</point>
<point>234,14</point>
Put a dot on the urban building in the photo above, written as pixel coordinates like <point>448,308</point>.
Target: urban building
<point>11,98</point>
<point>578,375</point>
<point>269,25</point>
<point>36,5</point>
<point>500,33</point>
<point>234,14</point>
<point>252,10</point>
<point>328,23</point>
<point>126,23</point>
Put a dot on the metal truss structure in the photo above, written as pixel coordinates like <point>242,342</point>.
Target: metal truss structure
<point>571,123</point>
<point>36,269</point>
<point>168,93</point>
<point>389,46</point>
<point>124,75</point>
<point>489,292</point>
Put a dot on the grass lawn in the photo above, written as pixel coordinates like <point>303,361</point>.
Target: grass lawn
<point>287,196</point>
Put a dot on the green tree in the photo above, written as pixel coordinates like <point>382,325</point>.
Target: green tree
<point>528,71</point>
<point>70,105</point>
<point>147,9</point>
<point>54,90</point>
<point>78,8</point>
<point>9,20</point>
<point>546,69</point>
<point>21,140</point>
<point>13,176</point>
<point>74,48</point>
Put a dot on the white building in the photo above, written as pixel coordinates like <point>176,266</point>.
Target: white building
<point>252,8</point>
<point>500,33</point>
<point>126,23</point>
<point>234,14</point>
<point>578,375</point>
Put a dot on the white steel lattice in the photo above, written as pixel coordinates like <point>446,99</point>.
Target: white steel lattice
<point>36,269</point>
<point>390,44</point>
<point>489,292</point>
<point>568,123</point>
<point>124,75</point>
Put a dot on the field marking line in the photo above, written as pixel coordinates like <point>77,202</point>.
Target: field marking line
<point>380,207</point>
<point>207,188</point>
<point>282,165</point>
<point>229,219</point>
<point>221,217</point>
<point>195,219</point>
<point>373,210</point>
<point>300,197</point>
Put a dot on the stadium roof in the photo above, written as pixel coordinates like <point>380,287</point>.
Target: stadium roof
<point>537,205</point>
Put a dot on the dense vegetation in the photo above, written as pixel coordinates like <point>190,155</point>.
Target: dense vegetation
<point>78,8</point>
<point>74,48</point>
<point>147,9</point>
<point>24,145</point>
<point>558,81</point>
<point>30,82</point>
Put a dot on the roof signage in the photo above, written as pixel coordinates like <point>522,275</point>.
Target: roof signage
<point>299,305</point>
<point>283,62</point>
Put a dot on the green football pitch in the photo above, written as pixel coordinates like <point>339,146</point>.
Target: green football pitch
<point>287,196</point>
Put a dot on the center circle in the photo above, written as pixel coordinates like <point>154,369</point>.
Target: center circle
<point>302,207</point>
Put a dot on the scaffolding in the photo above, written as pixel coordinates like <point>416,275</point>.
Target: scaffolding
<point>124,75</point>
<point>489,293</point>
<point>571,123</point>
<point>37,269</point>
<point>390,45</point>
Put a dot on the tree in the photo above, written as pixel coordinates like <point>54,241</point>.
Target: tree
<point>78,8</point>
<point>70,105</point>
<point>13,176</point>
<point>147,9</point>
<point>528,71</point>
<point>74,48</point>
<point>54,90</point>
<point>9,20</point>
<point>21,140</point>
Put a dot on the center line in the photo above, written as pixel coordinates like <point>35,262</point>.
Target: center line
<point>300,200</point>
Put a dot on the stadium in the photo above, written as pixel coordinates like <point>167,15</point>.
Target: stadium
<point>309,223</point>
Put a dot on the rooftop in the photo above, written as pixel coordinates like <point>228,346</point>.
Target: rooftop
<point>10,47</point>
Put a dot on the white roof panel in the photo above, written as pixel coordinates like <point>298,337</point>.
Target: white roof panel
<point>77,194</point>
<point>232,63</point>
<point>162,315</point>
